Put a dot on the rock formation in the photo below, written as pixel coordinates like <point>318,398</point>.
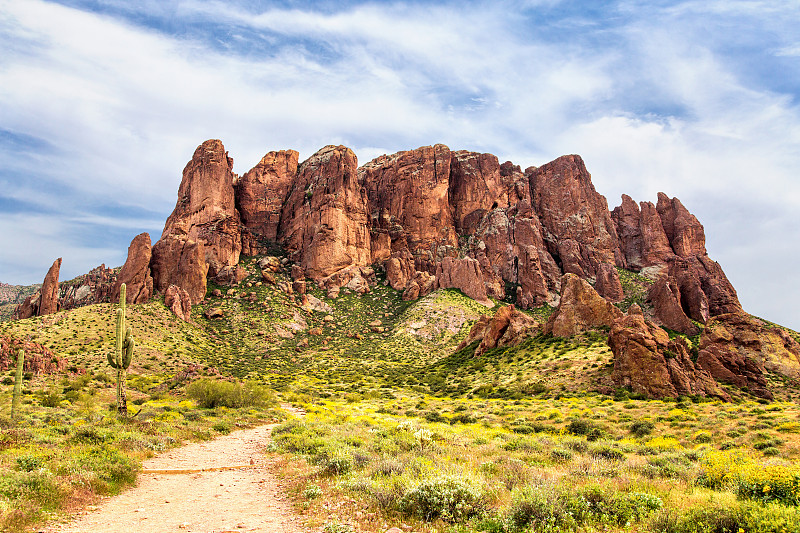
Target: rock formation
<point>685,233</point>
<point>607,283</point>
<point>135,273</point>
<point>642,238</point>
<point>464,274</point>
<point>324,219</point>
<point>507,327</point>
<point>38,359</point>
<point>580,309</point>
<point>179,302</point>
<point>202,235</point>
<point>260,194</point>
<point>738,349</point>
<point>665,296</point>
<point>578,229</point>
<point>649,363</point>
<point>90,288</point>
<point>44,301</point>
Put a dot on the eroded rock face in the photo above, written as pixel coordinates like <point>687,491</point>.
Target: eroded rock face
<point>580,309</point>
<point>578,229</point>
<point>476,187</point>
<point>48,304</point>
<point>325,220</point>
<point>205,222</point>
<point>179,302</point>
<point>685,233</point>
<point>93,287</point>
<point>410,212</point>
<point>38,359</point>
<point>507,327</point>
<point>649,363</point>
<point>704,288</point>
<point>135,273</point>
<point>665,296</point>
<point>260,194</point>
<point>464,274</point>
<point>738,349</point>
<point>641,234</point>
<point>607,283</point>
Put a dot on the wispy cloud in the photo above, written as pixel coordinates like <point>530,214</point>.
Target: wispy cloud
<point>103,102</point>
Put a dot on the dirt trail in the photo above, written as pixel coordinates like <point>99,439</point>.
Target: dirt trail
<point>215,486</point>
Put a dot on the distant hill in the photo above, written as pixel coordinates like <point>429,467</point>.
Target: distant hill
<point>13,295</point>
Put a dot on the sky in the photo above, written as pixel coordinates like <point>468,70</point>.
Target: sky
<point>102,103</point>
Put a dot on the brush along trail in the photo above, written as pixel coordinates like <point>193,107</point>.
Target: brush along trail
<point>216,486</point>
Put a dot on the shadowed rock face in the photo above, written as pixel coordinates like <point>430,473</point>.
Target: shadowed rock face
<point>641,234</point>
<point>607,283</point>
<point>649,363</point>
<point>44,301</point>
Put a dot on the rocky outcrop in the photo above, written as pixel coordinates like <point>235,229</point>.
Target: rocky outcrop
<point>48,304</point>
<point>578,229</point>
<point>45,300</point>
<point>508,327</point>
<point>410,213</point>
<point>464,274</point>
<point>607,283</point>
<point>665,296</point>
<point>202,235</point>
<point>738,349</point>
<point>324,222</point>
<point>580,309</point>
<point>260,194</point>
<point>135,273</point>
<point>685,233</point>
<point>90,288</point>
<point>642,238</point>
<point>647,362</point>
<point>38,359</point>
<point>476,186</point>
<point>705,290</point>
<point>179,302</point>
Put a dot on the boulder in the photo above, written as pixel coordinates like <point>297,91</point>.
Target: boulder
<point>180,303</point>
<point>324,222</point>
<point>213,312</point>
<point>649,363</point>
<point>464,274</point>
<point>135,273</point>
<point>607,283</point>
<point>508,327</point>
<point>577,225</point>
<point>580,309</point>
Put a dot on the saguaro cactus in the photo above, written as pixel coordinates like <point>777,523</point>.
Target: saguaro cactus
<point>17,383</point>
<point>122,356</point>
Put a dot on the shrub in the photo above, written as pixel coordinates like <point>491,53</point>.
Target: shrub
<point>580,426</point>
<point>210,393</point>
<point>453,499</point>
<point>769,483</point>
<point>222,426</point>
<point>641,428</point>
<point>312,492</point>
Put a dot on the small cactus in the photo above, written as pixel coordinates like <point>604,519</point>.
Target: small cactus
<point>122,356</point>
<point>17,383</point>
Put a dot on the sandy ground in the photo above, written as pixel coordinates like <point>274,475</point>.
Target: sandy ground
<point>215,486</point>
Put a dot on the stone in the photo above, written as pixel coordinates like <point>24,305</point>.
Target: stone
<point>216,293</point>
<point>230,275</point>
<point>578,229</point>
<point>213,312</point>
<point>464,274</point>
<point>324,222</point>
<point>95,286</point>
<point>642,238</point>
<point>271,264</point>
<point>705,290</point>
<point>607,283</point>
<point>135,273</point>
<point>260,194</point>
<point>665,296</point>
<point>202,235</point>
<point>580,309</point>
<point>180,303</point>
<point>268,277</point>
<point>476,186</point>
<point>39,359</point>
<point>312,303</point>
<point>508,327</point>
<point>647,362</point>
<point>299,286</point>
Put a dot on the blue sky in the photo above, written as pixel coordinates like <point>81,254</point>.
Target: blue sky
<point>103,102</point>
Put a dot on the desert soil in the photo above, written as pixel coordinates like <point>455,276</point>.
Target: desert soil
<point>222,485</point>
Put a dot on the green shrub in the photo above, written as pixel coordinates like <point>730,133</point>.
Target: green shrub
<point>641,428</point>
<point>453,499</point>
<point>210,393</point>
<point>222,426</point>
<point>312,492</point>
